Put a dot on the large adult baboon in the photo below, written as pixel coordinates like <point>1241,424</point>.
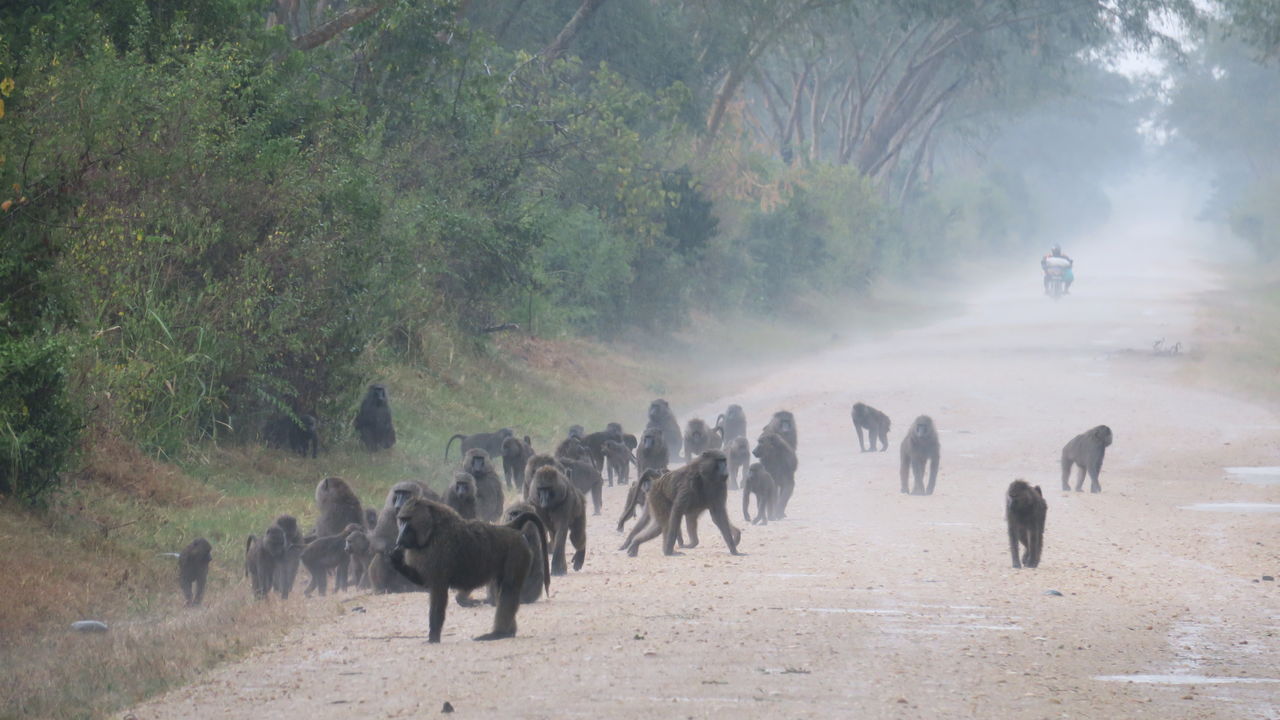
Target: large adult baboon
<point>439,550</point>
<point>577,431</point>
<point>461,495</point>
<point>338,506</point>
<point>328,553</point>
<point>660,416</point>
<point>784,423</point>
<point>382,577</point>
<point>536,463</point>
<point>515,455</point>
<point>538,578</point>
<point>777,456</point>
<point>637,494</point>
<point>373,421</point>
<point>1024,511</point>
<point>586,478</point>
<point>1086,450</point>
<point>698,438</point>
<point>732,423</point>
<point>653,452</point>
<point>193,570</point>
<point>301,435</point>
<point>920,446</point>
<point>261,555</point>
<point>618,459</point>
<point>759,483</point>
<point>701,485</point>
<point>739,453</point>
<point>874,422</point>
<point>564,511</point>
<point>287,568</point>
<point>489,498</point>
<point>489,442</point>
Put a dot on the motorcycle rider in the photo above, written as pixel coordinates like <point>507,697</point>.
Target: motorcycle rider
<point>1068,276</point>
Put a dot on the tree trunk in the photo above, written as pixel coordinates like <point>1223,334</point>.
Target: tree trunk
<point>558,46</point>
<point>334,27</point>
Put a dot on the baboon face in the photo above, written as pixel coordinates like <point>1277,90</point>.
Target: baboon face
<point>358,543</point>
<point>577,431</point>
<point>416,521</point>
<point>506,433</point>
<point>648,442</point>
<point>722,469</point>
<point>1103,433</point>
<point>923,427</point>
<point>377,394</point>
<point>659,409</point>
<point>477,464</point>
<point>463,487</point>
<point>273,541</point>
<point>289,524</point>
<point>200,551</point>
<point>613,428</point>
<point>548,489</point>
<point>401,493</point>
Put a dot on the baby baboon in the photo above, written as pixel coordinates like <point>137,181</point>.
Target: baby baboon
<point>488,484</point>
<point>515,455</point>
<point>660,416</point>
<point>193,570</point>
<point>733,423</point>
<point>360,549</point>
<point>784,423</point>
<point>461,495</point>
<point>328,553</point>
<point>382,578</point>
<point>652,453</point>
<point>780,460</point>
<point>338,506</point>
<point>636,495</point>
<point>584,476</point>
<point>302,436</point>
<point>1086,450</point>
<point>759,482</point>
<point>536,463</point>
<point>261,555</point>
<point>701,485</point>
<point>539,577</point>
<point>287,568</point>
<point>739,452</point>
<point>918,447</point>
<point>697,438</point>
<point>489,442</point>
<point>563,510</point>
<point>874,422</point>
<point>373,421</point>
<point>439,550</point>
<point>1024,510</point>
<point>618,459</point>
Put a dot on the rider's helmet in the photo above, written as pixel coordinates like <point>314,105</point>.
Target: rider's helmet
<point>1056,250</point>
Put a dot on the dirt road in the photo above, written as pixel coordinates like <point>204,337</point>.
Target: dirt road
<point>869,603</point>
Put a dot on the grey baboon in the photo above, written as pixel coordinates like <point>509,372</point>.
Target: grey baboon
<point>536,463</point>
<point>1024,511</point>
<point>701,485</point>
<point>535,537</point>
<point>338,506</point>
<point>563,510</point>
<point>1086,450</point>
<point>193,570</point>
<point>577,431</point>
<point>360,549</point>
<point>660,416</point>
<point>777,456</point>
<point>784,423</point>
<point>636,495</point>
<point>739,453</point>
<point>759,483</point>
<point>261,555</point>
<point>370,517</point>
<point>732,423</point>
<point>461,495</point>
<point>573,449</point>
<point>920,446</point>
<point>489,498</point>
<point>697,438</point>
<point>653,452</point>
<point>382,577</point>
<point>488,442</point>
<point>301,435</point>
<point>373,421</point>
<point>515,455</point>
<point>439,550</point>
<point>874,422</point>
<point>287,569</point>
<point>586,478</point>
<point>594,442</point>
<point>327,553</point>
<point>618,459</point>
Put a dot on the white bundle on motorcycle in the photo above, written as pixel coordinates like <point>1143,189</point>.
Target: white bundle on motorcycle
<point>1058,263</point>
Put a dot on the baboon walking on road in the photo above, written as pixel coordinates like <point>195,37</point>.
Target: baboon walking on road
<point>701,485</point>
<point>780,460</point>
<point>1086,450</point>
<point>920,446</point>
<point>564,511</point>
<point>661,417</point>
<point>732,423</point>
<point>1024,511</point>
<point>759,483</point>
<point>874,422</point>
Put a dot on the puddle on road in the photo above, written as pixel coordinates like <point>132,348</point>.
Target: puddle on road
<point>1184,679</point>
<point>1234,507</point>
<point>1256,475</point>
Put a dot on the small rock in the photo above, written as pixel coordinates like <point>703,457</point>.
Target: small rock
<point>448,708</point>
<point>902,701</point>
<point>89,626</point>
<point>1054,593</point>
<point>358,608</point>
<point>1268,578</point>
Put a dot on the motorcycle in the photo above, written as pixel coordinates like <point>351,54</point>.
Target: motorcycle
<point>1057,273</point>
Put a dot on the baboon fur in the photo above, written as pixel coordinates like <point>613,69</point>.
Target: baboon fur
<point>1086,451</point>
<point>534,536</point>
<point>360,549</point>
<point>784,423</point>
<point>636,495</point>
<point>328,553</point>
<point>732,423</point>
<point>489,498</point>
<point>373,421</point>
<point>338,507</point>
<point>261,555</point>
<point>701,485</point>
<point>652,452</point>
<point>778,457</point>
<point>287,570</point>
<point>618,459</point>
<point>488,442</point>
<point>697,438</point>
<point>563,510</point>
<point>874,422</point>
<point>193,570</point>
<point>759,483</point>
<point>515,455</point>
<point>739,453</point>
<point>536,463</point>
<point>302,436</point>
<point>660,416</point>
<point>1024,511</point>
<point>461,495</point>
<point>586,478</point>
<point>382,577</point>
<point>919,447</point>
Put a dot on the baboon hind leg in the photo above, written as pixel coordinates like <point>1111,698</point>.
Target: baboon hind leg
<point>1094,485</point>
<point>1066,475</point>
<point>1080,479</point>
<point>651,531</point>
<point>933,475</point>
<point>917,473</point>
<point>861,445</point>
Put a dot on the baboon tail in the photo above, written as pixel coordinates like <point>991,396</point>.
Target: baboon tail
<point>720,420</point>
<point>518,522</point>
<point>457,436</point>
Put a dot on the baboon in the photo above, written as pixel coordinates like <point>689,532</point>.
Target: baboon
<point>1086,450</point>
<point>382,577</point>
<point>461,495</point>
<point>577,431</point>
<point>920,446</point>
<point>328,553</point>
<point>784,423</point>
<point>697,438</point>
<point>302,435</point>
<point>537,541</point>
<point>488,485</point>
<point>536,463</point>
<point>617,461</point>
<point>261,555</point>
<point>360,549</point>
<point>640,498</point>
<point>594,442</point>
<point>660,416</point>
<point>370,517</point>
<point>563,510</point>
<point>759,482</point>
<point>652,452</point>
<point>193,570</point>
<point>515,455</point>
<point>874,422</point>
<point>739,452</point>
<point>780,460</point>
<point>636,495</point>
<point>573,449</point>
<point>373,421</point>
<point>701,485</point>
<point>1024,510</point>
<point>586,478</point>
<point>287,569</point>
<point>732,422</point>
<point>488,442</point>
<point>338,506</point>
<point>439,550</point>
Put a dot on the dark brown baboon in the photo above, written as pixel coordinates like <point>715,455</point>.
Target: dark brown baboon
<point>488,442</point>
<point>636,495</point>
<point>515,455</point>
<point>732,423</point>
<point>920,446</point>
<point>660,416</point>
<point>439,550</point>
<point>261,555</point>
<point>685,493</point>
<point>784,423</point>
<point>536,539</point>
<point>564,511</point>
<point>536,463</point>
<point>739,453</point>
<point>652,453</point>
<point>287,568</point>
<point>370,517</point>
<point>461,495</point>
<point>779,459</point>
<point>594,442</point>
<point>373,421</point>
<point>697,438</point>
<point>360,549</point>
<point>874,422</point>
<point>301,435</point>
<point>618,460</point>
<point>382,577</point>
<point>193,570</point>
<point>577,431</point>
<point>644,521</point>
<point>338,506</point>
<point>760,483</point>
<point>1086,450</point>
<point>1024,510</point>
<point>586,478</point>
<point>325,553</point>
<point>489,498</point>
<point>572,448</point>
